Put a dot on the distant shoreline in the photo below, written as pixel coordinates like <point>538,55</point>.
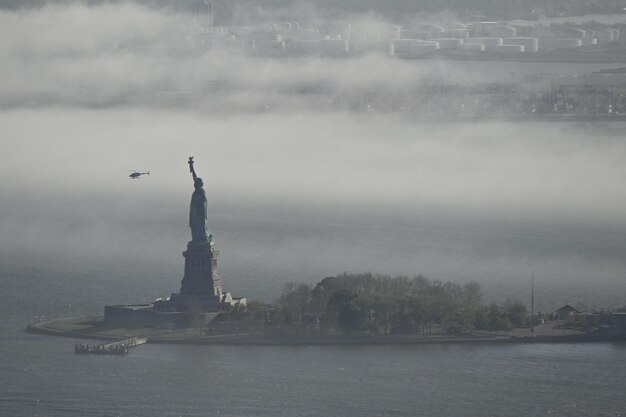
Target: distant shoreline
<point>538,118</point>
<point>542,57</point>
<point>55,328</point>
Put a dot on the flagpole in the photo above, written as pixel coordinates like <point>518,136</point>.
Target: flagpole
<point>532,303</point>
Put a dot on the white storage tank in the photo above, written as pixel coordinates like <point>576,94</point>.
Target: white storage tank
<point>237,44</point>
<point>404,46</point>
<point>499,31</point>
<point>268,47</point>
<point>282,26</point>
<point>529,44</point>
<point>305,47</point>
<point>448,43</point>
<point>412,47</point>
<point>572,33</point>
<point>415,34</point>
<point>590,41</point>
<point>220,42</point>
<point>214,30</point>
<point>474,27</point>
<point>472,47</point>
<point>390,32</point>
<point>605,36</point>
<point>371,30</point>
<point>435,28</point>
<point>456,25</point>
<point>346,27</point>
<point>488,42</point>
<point>481,28</point>
<point>554,44</point>
<point>508,49</point>
<point>265,37</point>
<point>335,28</point>
<point>460,33</point>
<point>306,34</point>
<point>357,47</point>
<point>333,47</point>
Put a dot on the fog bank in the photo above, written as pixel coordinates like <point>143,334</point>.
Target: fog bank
<point>296,191</point>
<point>305,196</point>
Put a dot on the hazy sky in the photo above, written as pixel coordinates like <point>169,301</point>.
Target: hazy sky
<point>295,192</point>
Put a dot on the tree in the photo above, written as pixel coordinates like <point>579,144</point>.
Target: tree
<point>496,320</point>
<point>349,318</point>
<point>294,301</point>
<point>516,312</point>
<point>472,302</point>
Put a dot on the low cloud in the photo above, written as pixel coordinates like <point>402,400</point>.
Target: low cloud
<point>127,54</point>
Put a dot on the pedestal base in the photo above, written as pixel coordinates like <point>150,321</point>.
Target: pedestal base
<point>201,278</point>
<point>191,303</point>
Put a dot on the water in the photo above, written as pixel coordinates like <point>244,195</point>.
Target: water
<point>46,379</point>
<point>41,376</point>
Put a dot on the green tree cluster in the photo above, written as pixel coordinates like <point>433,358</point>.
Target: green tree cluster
<point>373,304</point>
<point>496,318</point>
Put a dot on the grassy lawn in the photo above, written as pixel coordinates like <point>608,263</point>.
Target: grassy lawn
<point>95,327</point>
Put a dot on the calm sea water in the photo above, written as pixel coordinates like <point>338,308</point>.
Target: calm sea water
<point>40,375</point>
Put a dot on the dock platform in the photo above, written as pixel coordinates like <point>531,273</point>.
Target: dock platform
<point>114,348</point>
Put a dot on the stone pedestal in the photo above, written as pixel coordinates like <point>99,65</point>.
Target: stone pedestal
<point>201,277</point>
<point>201,287</point>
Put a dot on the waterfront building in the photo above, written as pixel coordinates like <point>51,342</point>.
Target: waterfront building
<point>569,311</point>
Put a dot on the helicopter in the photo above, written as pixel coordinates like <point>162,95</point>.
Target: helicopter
<point>136,174</point>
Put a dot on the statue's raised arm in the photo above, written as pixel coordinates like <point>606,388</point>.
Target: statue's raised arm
<point>193,171</point>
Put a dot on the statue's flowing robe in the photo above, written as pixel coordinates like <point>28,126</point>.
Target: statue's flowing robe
<point>198,216</point>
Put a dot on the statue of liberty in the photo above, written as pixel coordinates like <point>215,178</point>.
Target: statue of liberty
<point>198,210</point>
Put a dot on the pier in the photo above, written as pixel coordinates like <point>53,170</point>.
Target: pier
<point>114,348</point>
